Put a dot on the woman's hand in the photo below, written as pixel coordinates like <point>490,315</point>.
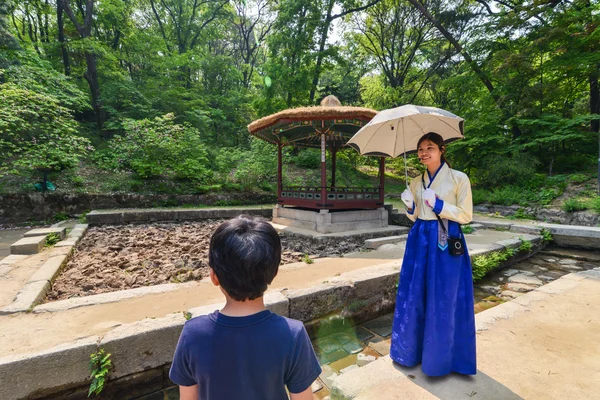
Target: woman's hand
<point>407,199</point>
<point>429,197</point>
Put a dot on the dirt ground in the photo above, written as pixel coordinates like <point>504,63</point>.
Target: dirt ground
<point>111,258</point>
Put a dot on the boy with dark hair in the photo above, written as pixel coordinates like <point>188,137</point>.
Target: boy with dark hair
<point>244,351</point>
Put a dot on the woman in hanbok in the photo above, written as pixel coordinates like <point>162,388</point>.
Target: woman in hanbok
<point>434,320</point>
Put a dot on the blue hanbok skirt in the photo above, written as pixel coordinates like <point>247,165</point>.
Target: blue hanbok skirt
<point>434,320</point>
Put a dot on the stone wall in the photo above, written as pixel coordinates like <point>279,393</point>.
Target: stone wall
<point>39,207</point>
<point>551,215</point>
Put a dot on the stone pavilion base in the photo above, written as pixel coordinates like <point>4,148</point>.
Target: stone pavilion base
<point>330,221</point>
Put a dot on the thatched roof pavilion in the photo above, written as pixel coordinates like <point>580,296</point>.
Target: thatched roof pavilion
<point>328,126</point>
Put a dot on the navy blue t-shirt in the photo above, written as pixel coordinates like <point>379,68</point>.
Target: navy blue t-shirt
<point>251,358</point>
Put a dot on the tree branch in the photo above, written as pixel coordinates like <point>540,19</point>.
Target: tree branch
<point>353,10</point>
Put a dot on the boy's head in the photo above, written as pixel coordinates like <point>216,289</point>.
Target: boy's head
<point>245,254</point>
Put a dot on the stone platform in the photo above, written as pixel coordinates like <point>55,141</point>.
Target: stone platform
<point>330,221</point>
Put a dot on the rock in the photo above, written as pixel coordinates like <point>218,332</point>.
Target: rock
<point>316,386</point>
<point>546,277</point>
<point>510,294</point>
<point>490,289</point>
<point>519,287</point>
<point>526,273</point>
<point>567,261</point>
<point>364,359</point>
<point>525,279</point>
<point>511,272</point>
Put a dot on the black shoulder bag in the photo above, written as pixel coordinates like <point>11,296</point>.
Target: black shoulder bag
<point>456,246</point>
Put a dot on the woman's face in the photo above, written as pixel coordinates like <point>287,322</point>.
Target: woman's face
<point>429,153</point>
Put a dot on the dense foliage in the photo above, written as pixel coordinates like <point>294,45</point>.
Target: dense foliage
<point>164,89</point>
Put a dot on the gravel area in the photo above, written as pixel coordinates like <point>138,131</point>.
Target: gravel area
<point>111,258</point>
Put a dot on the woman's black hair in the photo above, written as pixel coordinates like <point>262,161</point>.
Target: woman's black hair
<point>437,140</point>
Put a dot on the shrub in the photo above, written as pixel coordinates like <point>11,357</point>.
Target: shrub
<point>258,167</point>
<point>308,158</point>
<point>467,229</point>
<point>595,204</point>
<point>158,147</point>
<point>36,133</point>
<point>485,263</point>
<point>571,205</point>
<point>507,169</point>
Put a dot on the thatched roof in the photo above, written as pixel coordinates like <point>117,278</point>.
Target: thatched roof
<point>299,126</point>
<point>312,114</point>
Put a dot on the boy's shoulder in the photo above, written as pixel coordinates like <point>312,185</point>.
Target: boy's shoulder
<point>263,321</point>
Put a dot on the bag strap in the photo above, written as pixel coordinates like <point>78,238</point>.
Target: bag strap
<point>436,215</point>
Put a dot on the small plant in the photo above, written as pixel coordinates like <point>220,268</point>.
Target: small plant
<point>467,229</point>
<point>52,239</point>
<point>485,263</point>
<point>61,216</point>
<point>571,205</point>
<point>546,235</point>
<point>522,214</point>
<point>82,218</point>
<point>306,258</point>
<point>525,245</point>
<point>99,365</point>
<point>187,315</point>
<point>510,251</point>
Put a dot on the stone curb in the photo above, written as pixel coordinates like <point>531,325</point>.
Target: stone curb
<point>111,297</point>
<point>49,269</point>
<point>34,291</point>
<point>375,243</point>
<point>584,237</point>
<point>46,372</point>
<point>97,217</point>
<point>60,231</point>
<point>28,245</point>
<point>29,295</point>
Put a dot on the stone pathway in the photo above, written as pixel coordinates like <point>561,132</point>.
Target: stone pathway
<point>347,350</point>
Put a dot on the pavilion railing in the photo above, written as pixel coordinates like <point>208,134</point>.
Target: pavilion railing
<point>333,193</point>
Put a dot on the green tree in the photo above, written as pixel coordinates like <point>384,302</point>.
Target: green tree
<point>37,133</point>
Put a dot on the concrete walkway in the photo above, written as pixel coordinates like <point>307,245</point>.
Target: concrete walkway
<point>542,345</point>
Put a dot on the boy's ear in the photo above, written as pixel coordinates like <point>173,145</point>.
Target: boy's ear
<point>213,277</point>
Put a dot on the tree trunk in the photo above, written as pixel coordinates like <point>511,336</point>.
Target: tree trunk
<point>324,35</point>
<point>61,37</point>
<point>91,76</point>
<point>594,99</point>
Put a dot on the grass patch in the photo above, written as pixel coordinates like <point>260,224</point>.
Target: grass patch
<point>467,229</point>
<point>483,264</point>
<point>582,203</point>
<point>52,239</point>
<point>306,258</point>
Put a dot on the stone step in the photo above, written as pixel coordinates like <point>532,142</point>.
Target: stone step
<point>28,245</point>
<point>60,231</point>
<point>375,243</point>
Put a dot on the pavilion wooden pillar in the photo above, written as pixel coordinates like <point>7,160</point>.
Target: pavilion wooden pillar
<point>333,156</point>
<point>279,171</point>
<point>381,177</point>
<point>323,172</point>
